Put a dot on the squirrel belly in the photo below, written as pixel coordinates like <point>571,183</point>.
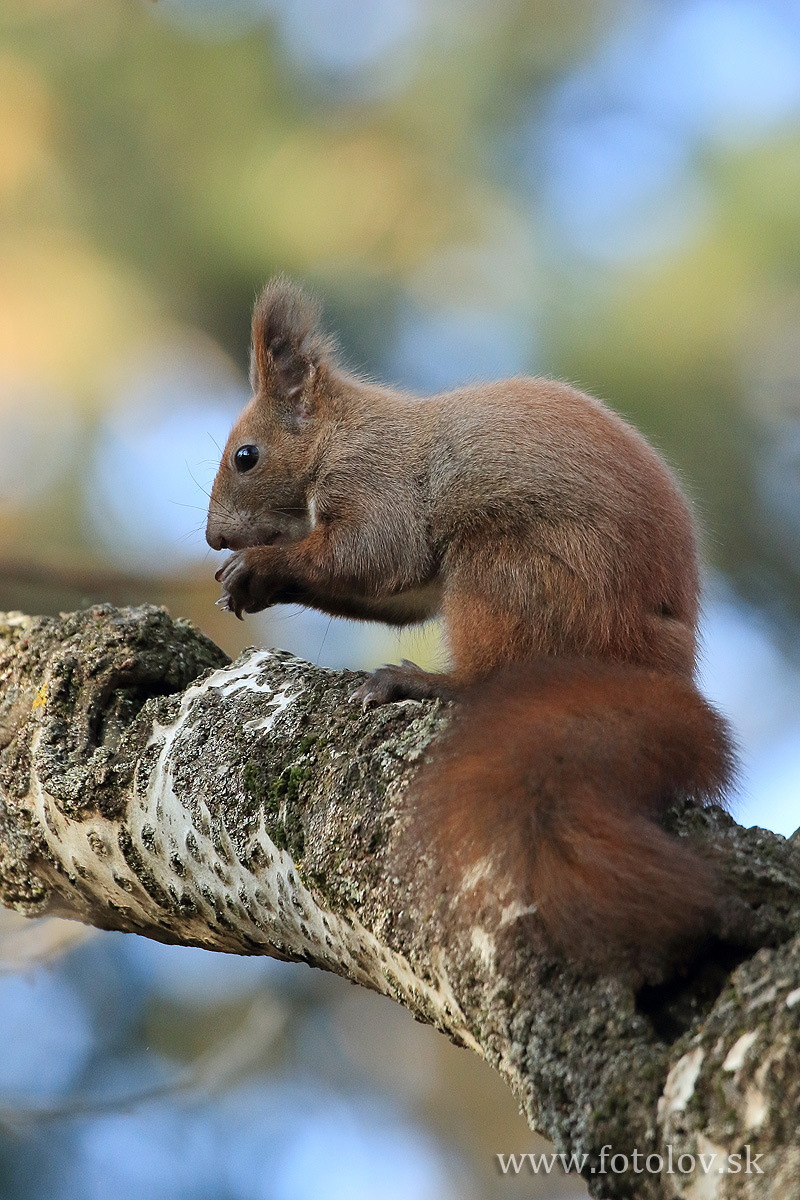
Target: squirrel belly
<point>560,553</point>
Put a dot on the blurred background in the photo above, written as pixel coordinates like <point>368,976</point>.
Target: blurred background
<point>607,191</point>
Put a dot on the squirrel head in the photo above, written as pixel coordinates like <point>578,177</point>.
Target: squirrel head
<point>260,494</point>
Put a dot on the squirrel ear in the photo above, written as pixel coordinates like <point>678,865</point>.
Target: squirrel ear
<point>288,348</point>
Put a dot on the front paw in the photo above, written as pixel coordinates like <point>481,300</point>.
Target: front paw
<point>245,588</point>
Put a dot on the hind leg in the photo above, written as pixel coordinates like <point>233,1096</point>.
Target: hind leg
<point>406,682</point>
<point>483,638</point>
<point>480,640</point>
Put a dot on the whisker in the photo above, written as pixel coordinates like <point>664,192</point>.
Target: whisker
<point>227,510</point>
<point>194,480</point>
<point>190,533</point>
<point>181,504</point>
<point>324,639</point>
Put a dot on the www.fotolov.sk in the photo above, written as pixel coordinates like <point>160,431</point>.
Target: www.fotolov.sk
<point>711,1163</point>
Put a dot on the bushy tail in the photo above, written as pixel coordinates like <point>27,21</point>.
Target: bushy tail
<point>549,792</point>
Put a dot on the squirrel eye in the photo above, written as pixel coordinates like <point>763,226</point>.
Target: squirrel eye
<point>245,458</point>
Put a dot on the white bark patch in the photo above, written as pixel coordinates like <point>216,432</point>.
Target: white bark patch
<point>755,1108</point>
<point>762,1087</point>
<point>516,910</point>
<point>484,946</point>
<point>709,1173</point>
<point>280,701</point>
<point>735,1056</point>
<point>169,866</point>
<point>477,874</point>
<point>793,998</point>
<point>680,1085</point>
<point>16,620</point>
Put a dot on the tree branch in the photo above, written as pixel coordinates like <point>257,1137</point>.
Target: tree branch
<point>148,785</point>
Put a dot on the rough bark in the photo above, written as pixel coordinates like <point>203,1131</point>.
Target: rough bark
<point>148,785</point>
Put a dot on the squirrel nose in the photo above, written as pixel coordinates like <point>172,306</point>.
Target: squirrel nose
<point>215,539</point>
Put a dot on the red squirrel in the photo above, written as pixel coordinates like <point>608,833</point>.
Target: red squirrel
<point>561,555</point>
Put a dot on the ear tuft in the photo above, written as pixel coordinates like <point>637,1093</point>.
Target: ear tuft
<point>288,345</point>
